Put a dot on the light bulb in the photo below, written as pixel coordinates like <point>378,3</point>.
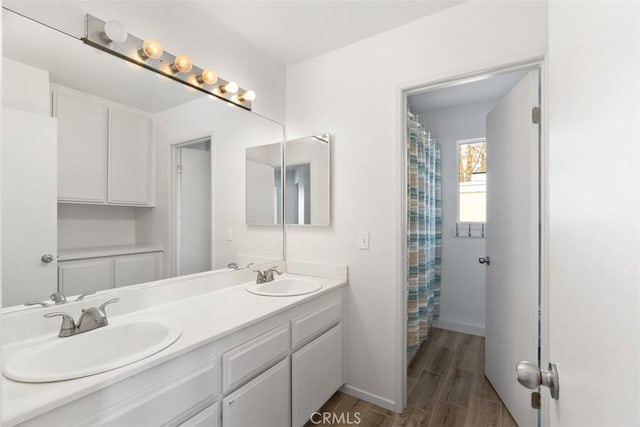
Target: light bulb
<point>248,95</point>
<point>182,64</point>
<point>208,76</point>
<point>114,32</point>
<point>151,49</point>
<point>229,87</point>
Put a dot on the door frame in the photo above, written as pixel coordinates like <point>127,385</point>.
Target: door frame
<point>173,253</point>
<point>403,91</point>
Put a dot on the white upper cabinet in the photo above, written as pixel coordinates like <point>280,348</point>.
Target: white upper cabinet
<point>82,148</point>
<point>130,158</point>
<point>105,151</point>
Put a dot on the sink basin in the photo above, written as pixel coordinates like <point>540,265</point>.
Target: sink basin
<point>93,352</point>
<point>285,287</point>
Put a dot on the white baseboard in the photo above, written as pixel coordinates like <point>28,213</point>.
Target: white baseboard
<point>463,327</point>
<point>369,397</point>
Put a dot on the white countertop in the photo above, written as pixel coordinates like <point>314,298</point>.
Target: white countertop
<point>105,251</point>
<point>204,318</point>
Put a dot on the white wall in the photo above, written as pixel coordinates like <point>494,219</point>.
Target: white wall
<point>354,93</point>
<point>182,27</point>
<point>87,226</point>
<point>232,130</point>
<point>462,305</point>
<point>25,88</point>
<point>594,211</point>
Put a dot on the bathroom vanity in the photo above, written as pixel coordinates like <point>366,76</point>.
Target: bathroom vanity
<point>242,359</point>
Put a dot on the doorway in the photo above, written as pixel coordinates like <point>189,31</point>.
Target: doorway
<point>193,198</point>
<point>481,269</point>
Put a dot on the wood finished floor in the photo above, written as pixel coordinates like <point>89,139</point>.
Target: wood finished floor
<point>446,386</point>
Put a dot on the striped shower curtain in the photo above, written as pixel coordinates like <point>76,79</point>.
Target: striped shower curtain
<point>424,232</point>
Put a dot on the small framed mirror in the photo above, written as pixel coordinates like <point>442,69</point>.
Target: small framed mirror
<point>307,181</point>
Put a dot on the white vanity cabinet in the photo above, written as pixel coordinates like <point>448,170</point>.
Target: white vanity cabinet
<point>272,373</point>
<point>85,275</point>
<point>77,276</point>
<point>105,151</point>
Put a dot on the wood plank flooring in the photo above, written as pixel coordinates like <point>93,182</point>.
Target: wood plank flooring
<point>446,386</point>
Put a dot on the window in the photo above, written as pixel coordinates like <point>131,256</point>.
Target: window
<point>472,180</point>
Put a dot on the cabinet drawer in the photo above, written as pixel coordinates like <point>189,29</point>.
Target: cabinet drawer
<point>313,324</point>
<point>264,401</point>
<point>167,401</point>
<point>247,360</point>
<point>208,417</point>
<point>317,373</point>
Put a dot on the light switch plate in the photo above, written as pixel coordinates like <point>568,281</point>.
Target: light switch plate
<point>363,240</point>
<point>228,234</point>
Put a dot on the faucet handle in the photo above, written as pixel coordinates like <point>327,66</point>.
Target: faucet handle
<point>81,296</point>
<point>67,321</point>
<point>41,303</point>
<point>106,303</point>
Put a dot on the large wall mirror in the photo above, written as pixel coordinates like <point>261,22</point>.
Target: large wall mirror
<point>113,175</point>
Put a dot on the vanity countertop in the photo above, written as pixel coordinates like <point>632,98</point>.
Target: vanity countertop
<point>105,251</point>
<point>204,318</point>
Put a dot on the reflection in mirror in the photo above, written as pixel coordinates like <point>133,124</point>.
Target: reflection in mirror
<point>307,180</point>
<point>264,184</point>
<point>113,175</point>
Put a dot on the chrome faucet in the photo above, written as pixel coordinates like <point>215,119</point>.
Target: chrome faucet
<point>267,275</point>
<point>237,266</point>
<point>58,298</point>
<point>90,319</point>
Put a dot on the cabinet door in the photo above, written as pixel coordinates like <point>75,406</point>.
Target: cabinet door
<point>264,401</point>
<point>130,158</point>
<point>208,417</point>
<point>77,277</point>
<point>134,269</point>
<point>82,148</point>
<point>317,373</point>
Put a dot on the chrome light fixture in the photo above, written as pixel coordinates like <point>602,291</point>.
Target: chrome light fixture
<point>112,37</point>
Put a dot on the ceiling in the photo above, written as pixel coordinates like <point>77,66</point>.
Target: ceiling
<point>478,91</point>
<point>295,30</point>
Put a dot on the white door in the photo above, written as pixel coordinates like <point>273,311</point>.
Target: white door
<point>29,203</point>
<point>512,245</point>
<point>194,210</point>
<point>594,208</point>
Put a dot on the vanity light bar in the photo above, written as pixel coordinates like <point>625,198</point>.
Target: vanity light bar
<point>150,55</point>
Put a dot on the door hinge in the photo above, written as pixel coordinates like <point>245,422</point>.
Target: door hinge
<point>535,400</point>
<point>178,169</point>
<point>536,115</point>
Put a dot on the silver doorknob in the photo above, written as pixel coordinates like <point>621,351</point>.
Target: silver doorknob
<point>46,258</point>
<point>530,376</point>
<point>484,260</point>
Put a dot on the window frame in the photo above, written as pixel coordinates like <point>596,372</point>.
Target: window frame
<point>458,144</point>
